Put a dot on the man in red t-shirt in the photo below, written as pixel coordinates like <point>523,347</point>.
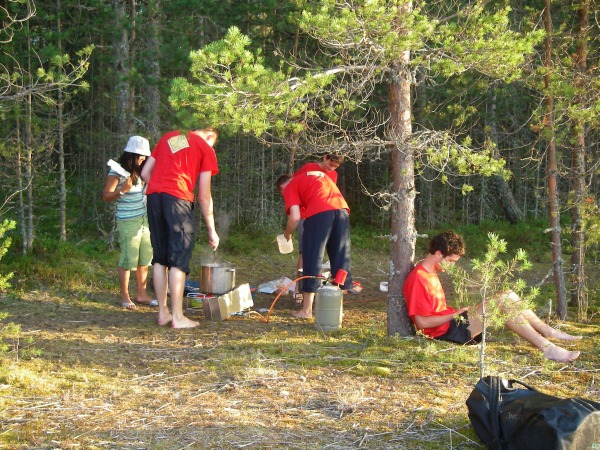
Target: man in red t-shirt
<point>328,165</point>
<point>431,315</point>
<point>326,228</point>
<point>177,162</point>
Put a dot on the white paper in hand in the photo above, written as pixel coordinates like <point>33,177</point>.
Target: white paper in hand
<point>118,168</point>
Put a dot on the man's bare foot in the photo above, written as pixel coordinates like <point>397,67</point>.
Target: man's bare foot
<point>127,304</point>
<point>184,323</point>
<point>559,354</point>
<point>557,334</point>
<point>164,319</point>
<point>301,315</point>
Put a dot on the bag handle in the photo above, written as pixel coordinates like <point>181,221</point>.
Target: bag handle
<point>495,393</point>
<point>523,384</point>
<point>495,411</point>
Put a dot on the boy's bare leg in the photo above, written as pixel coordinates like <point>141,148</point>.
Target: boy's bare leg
<point>521,326</point>
<point>159,276</point>
<point>546,330</point>
<point>307,303</point>
<point>176,288</point>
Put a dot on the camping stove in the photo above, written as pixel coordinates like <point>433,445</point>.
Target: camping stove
<point>220,307</point>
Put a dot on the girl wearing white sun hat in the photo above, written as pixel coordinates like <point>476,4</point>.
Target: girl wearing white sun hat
<point>124,185</point>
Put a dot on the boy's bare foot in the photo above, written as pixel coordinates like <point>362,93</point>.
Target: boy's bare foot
<point>164,319</point>
<point>301,315</point>
<point>184,323</point>
<point>559,354</point>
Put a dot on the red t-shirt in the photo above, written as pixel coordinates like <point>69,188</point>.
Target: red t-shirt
<point>309,167</point>
<point>314,192</point>
<point>179,161</point>
<point>425,297</point>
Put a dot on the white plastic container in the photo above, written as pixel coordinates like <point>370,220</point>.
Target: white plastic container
<point>285,246</point>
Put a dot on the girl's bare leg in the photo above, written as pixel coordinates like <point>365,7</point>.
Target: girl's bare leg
<point>125,300</point>
<point>141,276</point>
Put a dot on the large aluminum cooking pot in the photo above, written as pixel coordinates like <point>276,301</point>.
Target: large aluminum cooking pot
<point>217,278</point>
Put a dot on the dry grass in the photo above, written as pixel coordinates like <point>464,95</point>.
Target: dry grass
<point>112,379</point>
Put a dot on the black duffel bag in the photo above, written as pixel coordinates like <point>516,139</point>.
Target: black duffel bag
<point>506,416</point>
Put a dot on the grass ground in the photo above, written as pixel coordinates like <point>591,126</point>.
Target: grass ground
<point>84,373</point>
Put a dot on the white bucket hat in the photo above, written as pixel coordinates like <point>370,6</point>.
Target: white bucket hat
<point>139,145</point>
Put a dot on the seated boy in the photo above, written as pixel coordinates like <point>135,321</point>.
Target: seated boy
<point>426,303</point>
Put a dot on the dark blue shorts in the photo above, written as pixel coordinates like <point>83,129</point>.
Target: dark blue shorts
<point>327,231</point>
<point>171,223</point>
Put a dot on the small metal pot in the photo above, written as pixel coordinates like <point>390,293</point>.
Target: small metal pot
<point>217,278</point>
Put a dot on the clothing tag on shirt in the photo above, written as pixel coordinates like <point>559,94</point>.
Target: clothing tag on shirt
<point>315,173</point>
<point>177,143</point>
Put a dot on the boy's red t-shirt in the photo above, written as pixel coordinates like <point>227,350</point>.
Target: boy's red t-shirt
<point>425,297</point>
<point>314,192</point>
<point>179,161</point>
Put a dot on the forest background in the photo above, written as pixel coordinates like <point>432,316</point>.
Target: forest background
<point>479,116</point>
<point>490,108</point>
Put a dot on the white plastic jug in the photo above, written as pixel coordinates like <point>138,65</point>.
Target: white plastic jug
<point>285,246</point>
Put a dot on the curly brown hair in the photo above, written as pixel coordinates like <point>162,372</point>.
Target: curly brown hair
<point>448,243</point>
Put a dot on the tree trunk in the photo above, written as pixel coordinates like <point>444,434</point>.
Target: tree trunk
<point>21,187</point>
<point>122,68</point>
<point>507,200</point>
<point>552,171</point>
<point>62,188</point>
<point>28,222</point>
<point>402,248</point>
<point>153,91</point>
<point>131,127</point>
<point>579,295</point>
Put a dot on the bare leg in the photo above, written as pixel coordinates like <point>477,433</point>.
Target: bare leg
<point>125,300</point>
<point>176,287</point>
<point>546,330</point>
<point>307,303</point>
<point>141,276</point>
<point>521,326</point>
<point>159,275</point>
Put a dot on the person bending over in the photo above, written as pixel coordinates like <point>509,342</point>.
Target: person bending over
<point>328,165</point>
<point>326,227</point>
<point>179,163</point>
<point>426,303</point>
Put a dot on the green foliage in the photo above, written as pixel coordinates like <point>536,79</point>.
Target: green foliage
<point>492,278</point>
<point>234,90</point>
<point>9,331</point>
<point>381,28</point>
<point>72,265</point>
<point>359,46</point>
<point>526,234</point>
<point>480,39</point>
<point>5,226</point>
<point>491,275</point>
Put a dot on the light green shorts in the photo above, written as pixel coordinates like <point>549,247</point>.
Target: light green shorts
<point>134,240</point>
